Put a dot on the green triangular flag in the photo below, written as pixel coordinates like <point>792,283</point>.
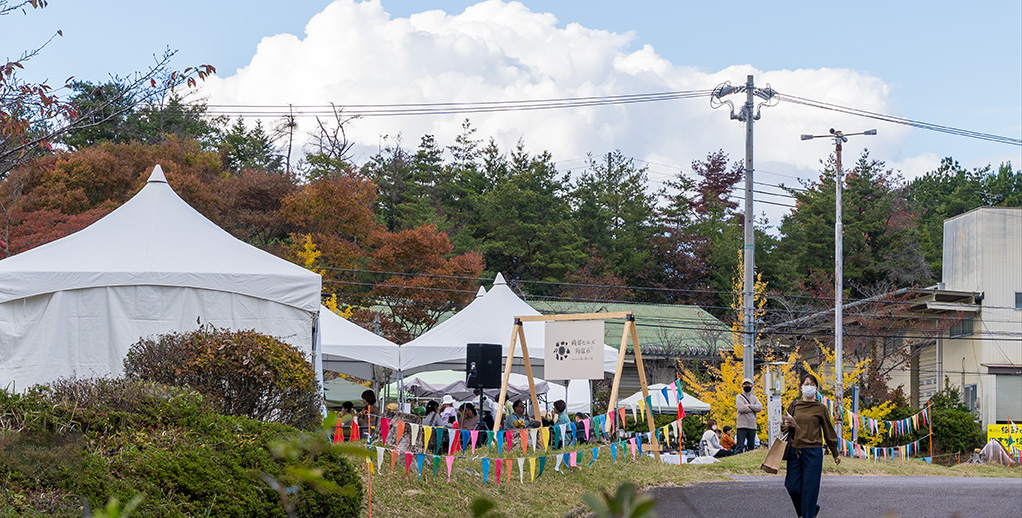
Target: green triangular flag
<point>436,464</point>
<point>542,464</point>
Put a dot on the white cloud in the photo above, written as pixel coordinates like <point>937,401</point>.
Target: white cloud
<point>356,53</point>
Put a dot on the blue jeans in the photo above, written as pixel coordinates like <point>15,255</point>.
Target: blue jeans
<point>805,466</point>
<point>746,440</point>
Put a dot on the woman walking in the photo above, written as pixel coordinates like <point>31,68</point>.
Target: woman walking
<point>808,425</point>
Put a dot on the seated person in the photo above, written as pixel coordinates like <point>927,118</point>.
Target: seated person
<point>726,441</point>
<point>580,429</point>
<point>709,444</point>
<point>448,414</point>
<point>560,417</point>
<point>517,419</point>
<point>469,417</point>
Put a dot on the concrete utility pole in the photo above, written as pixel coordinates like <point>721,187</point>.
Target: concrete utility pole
<point>745,115</point>
<point>839,275</point>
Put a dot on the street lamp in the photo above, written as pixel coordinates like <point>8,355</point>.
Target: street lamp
<point>839,138</point>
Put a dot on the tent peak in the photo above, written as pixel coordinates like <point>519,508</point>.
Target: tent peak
<point>157,175</point>
<point>481,292</point>
<point>499,280</point>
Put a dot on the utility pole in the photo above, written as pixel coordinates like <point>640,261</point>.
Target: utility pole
<point>839,275</point>
<point>746,115</point>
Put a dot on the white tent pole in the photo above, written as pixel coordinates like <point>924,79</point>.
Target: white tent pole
<point>317,360</point>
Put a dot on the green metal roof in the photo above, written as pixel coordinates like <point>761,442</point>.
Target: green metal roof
<point>662,327</point>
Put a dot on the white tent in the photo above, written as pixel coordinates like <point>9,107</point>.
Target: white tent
<point>670,405</point>
<point>351,349</point>
<point>488,319</point>
<point>74,306</point>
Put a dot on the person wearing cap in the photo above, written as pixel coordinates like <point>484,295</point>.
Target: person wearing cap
<point>448,414</point>
<point>747,405</point>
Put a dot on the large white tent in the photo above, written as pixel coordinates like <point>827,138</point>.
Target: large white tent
<point>350,349</point>
<point>74,306</point>
<point>488,319</point>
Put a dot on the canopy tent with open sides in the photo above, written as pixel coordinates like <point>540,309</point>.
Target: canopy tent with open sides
<point>666,406</point>
<point>350,349</point>
<point>73,307</point>
<point>488,319</point>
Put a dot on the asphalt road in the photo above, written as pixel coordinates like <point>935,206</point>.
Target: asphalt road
<point>847,496</point>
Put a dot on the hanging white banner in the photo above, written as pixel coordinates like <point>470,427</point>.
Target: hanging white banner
<point>574,350</point>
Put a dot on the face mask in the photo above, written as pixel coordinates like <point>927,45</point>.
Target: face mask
<point>714,428</point>
<point>808,391</point>
<point>747,389</point>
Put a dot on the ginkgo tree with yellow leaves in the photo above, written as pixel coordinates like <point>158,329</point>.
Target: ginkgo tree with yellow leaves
<point>722,382</point>
<point>825,374</point>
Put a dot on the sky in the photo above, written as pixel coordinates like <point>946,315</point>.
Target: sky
<point>955,64</point>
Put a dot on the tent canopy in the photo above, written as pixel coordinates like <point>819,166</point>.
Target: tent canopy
<point>488,319</point>
<point>350,349</point>
<point>670,405</point>
<point>156,239</point>
<point>154,265</point>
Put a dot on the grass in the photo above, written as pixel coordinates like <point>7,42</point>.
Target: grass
<point>559,494</point>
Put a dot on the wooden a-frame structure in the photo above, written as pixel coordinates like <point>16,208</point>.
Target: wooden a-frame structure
<point>518,334</point>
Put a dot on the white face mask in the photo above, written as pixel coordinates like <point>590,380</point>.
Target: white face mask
<point>714,428</point>
<point>808,391</point>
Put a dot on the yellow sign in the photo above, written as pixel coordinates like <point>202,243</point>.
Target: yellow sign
<point>1008,435</point>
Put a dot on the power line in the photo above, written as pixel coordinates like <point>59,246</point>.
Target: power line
<point>448,108</point>
<point>902,120</point>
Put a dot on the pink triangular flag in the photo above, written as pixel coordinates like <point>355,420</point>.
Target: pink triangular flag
<point>674,392</point>
<point>473,435</point>
<point>450,464</point>
<point>498,464</point>
<point>631,442</point>
<point>571,459</point>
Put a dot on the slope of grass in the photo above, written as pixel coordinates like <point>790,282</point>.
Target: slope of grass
<point>559,494</point>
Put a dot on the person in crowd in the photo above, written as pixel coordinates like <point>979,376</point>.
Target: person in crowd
<point>486,419</point>
<point>517,419</point>
<point>560,417</point>
<point>709,444</point>
<point>448,414</point>
<point>432,417</point>
<point>347,414</point>
<point>809,428</point>
<point>371,419</point>
<point>580,429</point>
<point>469,417</point>
<point>747,405</point>
<point>726,441</point>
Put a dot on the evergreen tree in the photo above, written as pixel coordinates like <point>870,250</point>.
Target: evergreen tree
<point>614,212</point>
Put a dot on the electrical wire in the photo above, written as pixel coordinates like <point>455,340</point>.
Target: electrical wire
<point>448,108</point>
<point>901,120</point>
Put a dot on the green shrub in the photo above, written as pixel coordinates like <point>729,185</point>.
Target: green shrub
<point>241,373</point>
<point>92,440</point>
<point>955,428</point>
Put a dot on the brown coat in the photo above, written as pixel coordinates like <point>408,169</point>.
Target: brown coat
<point>814,426</point>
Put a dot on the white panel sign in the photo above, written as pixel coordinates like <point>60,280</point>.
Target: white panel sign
<point>574,350</point>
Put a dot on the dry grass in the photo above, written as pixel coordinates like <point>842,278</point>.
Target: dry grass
<point>559,494</point>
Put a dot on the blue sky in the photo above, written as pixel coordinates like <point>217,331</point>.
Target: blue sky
<point>951,63</point>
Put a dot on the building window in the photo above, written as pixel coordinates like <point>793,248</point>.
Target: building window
<point>969,396</point>
<point>961,328</point>
<point>1018,300</point>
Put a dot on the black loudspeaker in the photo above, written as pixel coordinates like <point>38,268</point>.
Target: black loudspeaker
<point>482,365</point>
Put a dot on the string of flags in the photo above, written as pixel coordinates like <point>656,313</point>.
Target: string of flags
<point>502,467</point>
<point>898,428</point>
<point>597,425</point>
<point>860,451</point>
